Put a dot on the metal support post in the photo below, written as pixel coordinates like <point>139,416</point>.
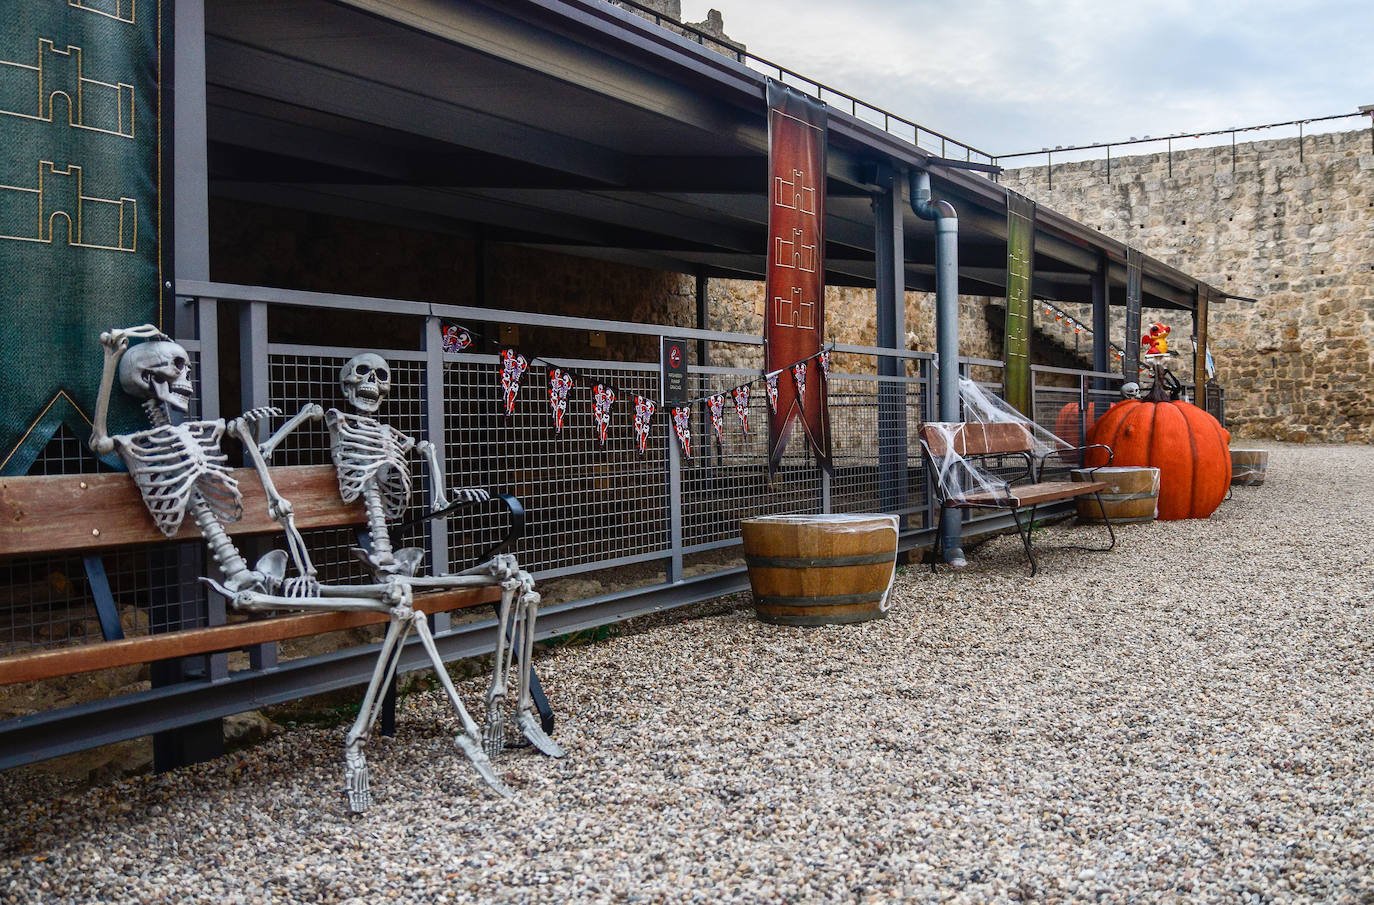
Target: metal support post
<point>1102,340</point>
<point>673,569</point>
<point>433,344</point>
<point>890,294</point>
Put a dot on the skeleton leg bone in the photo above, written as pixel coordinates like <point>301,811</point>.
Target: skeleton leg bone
<point>494,737</point>
<point>356,779</point>
<point>468,741</point>
<point>524,712</point>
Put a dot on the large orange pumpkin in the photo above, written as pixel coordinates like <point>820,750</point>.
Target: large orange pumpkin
<point>1189,447</point>
<point>1066,425</point>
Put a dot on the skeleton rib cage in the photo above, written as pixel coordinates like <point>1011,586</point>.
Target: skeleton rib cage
<point>171,462</point>
<point>365,451</point>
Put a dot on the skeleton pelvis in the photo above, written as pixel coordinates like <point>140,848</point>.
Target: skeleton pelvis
<point>405,561</point>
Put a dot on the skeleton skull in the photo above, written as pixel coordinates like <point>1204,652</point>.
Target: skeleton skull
<point>366,381</point>
<point>158,370</point>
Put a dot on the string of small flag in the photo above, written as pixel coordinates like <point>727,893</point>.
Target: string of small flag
<point>514,365</point>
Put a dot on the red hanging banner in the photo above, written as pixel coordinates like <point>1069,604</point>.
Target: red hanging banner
<point>794,320</point>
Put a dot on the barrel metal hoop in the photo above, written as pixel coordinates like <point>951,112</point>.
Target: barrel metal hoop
<point>837,600</point>
<point>829,562</point>
<point>1120,497</point>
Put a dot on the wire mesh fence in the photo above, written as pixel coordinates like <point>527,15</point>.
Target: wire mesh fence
<point>590,507</point>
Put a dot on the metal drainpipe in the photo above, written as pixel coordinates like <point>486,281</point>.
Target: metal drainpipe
<point>946,329</point>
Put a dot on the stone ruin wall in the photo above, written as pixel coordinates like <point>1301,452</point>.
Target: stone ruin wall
<point>1295,233</point>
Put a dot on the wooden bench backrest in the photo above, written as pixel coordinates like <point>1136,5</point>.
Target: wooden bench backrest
<point>974,438</point>
<point>86,513</point>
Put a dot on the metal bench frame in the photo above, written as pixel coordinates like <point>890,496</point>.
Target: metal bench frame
<point>1002,441</point>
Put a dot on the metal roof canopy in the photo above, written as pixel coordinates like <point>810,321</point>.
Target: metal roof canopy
<point>575,126</point>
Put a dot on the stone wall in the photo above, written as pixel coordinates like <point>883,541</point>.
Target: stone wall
<point>1295,233</point>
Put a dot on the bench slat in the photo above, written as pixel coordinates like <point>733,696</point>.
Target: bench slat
<point>80,513</point>
<point>65,661</point>
<point>1028,495</point>
<point>974,438</point>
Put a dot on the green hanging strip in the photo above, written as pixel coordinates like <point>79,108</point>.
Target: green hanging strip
<point>81,170</point>
<point>1020,273</point>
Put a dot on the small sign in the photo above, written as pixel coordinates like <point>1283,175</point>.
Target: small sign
<point>673,370</point>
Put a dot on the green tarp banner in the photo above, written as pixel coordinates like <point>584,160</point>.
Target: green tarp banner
<point>1020,273</point>
<point>81,206</point>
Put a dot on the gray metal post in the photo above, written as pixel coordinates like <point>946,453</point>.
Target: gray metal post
<point>191,247</point>
<point>1101,326</point>
<point>890,296</point>
<point>946,328</point>
<point>674,565</point>
<point>433,344</point>
<point>255,391</point>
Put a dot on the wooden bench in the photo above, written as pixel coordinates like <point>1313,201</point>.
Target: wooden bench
<point>93,514</point>
<point>987,441</point>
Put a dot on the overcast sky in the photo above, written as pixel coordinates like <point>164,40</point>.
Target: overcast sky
<point>1018,75</point>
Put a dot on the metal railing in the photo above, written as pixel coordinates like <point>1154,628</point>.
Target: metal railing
<point>872,114</point>
<point>1169,140</point>
<point>626,536</point>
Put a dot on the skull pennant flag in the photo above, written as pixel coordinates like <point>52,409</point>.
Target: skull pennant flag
<point>772,381</point>
<point>644,410</point>
<point>682,426</point>
<point>603,397</point>
<point>741,395</point>
<point>825,364</point>
<point>794,322</point>
<point>717,406</point>
<point>560,382</point>
<point>456,338</point>
<point>513,367</point>
<point>799,378</point>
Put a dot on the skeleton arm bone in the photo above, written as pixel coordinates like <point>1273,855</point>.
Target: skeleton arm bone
<point>308,412</point>
<point>278,507</point>
<point>116,342</point>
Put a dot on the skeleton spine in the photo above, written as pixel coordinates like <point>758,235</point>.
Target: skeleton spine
<point>376,519</point>
<point>157,415</point>
<point>226,555</point>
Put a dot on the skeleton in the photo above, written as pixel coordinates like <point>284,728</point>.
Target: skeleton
<point>180,468</point>
<point>371,460</point>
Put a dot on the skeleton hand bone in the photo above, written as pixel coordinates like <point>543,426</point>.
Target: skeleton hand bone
<point>117,340</point>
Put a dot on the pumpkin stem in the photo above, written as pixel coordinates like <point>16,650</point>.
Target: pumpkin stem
<point>1159,392</point>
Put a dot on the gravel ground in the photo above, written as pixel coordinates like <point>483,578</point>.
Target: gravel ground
<point>1186,719</point>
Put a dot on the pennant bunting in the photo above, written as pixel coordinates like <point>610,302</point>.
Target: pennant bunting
<point>560,383</point>
<point>456,338</point>
<point>825,363</point>
<point>603,398</point>
<point>799,375</point>
<point>717,406</point>
<point>773,392</point>
<point>682,426</point>
<point>741,395</point>
<point>644,410</point>
<point>513,368</point>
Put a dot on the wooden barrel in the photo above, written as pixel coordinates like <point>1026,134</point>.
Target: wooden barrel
<point>1132,493</point>
<point>1248,466</point>
<point>820,569</point>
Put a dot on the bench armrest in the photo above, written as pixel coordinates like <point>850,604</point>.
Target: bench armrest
<point>1075,449</point>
